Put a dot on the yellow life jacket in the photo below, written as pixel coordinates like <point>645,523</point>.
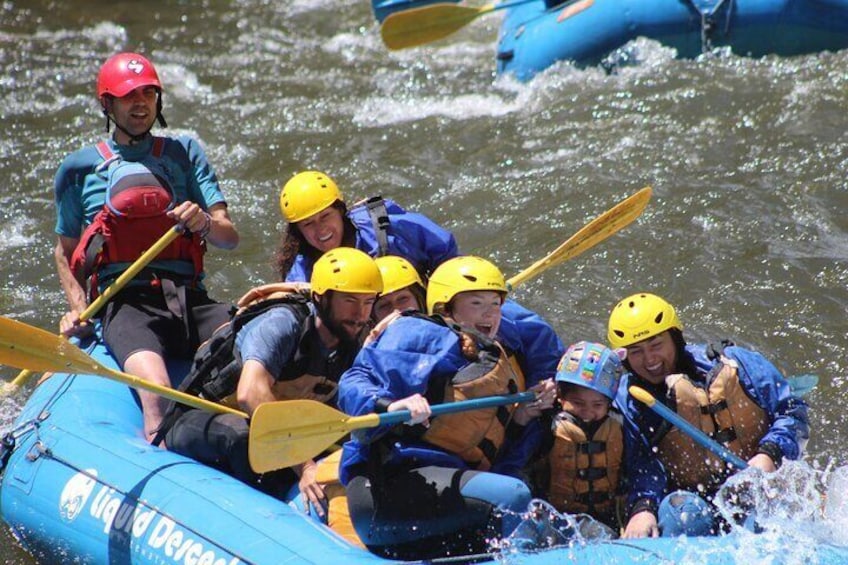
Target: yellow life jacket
<point>721,409</point>
<point>338,517</point>
<point>585,471</point>
<point>477,435</point>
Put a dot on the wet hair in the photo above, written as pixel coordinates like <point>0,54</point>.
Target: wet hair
<point>685,361</point>
<point>292,243</point>
<point>420,294</point>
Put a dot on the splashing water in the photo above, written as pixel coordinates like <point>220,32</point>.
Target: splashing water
<point>836,506</point>
<point>785,497</point>
<point>542,527</point>
<point>784,517</point>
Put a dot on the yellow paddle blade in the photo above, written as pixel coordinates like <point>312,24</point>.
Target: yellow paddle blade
<point>107,294</point>
<point>418,26</point>
<point>589,235</point>
<point>27,347</point>
<point>283,434</point>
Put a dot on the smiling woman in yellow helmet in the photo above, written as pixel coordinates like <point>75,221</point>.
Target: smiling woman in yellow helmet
<point>318,220</point>
<point>465,461</point>
<point>734,395</point>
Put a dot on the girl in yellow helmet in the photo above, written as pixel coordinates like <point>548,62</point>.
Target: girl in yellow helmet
<point>445,480</point>
<point>734,395</point>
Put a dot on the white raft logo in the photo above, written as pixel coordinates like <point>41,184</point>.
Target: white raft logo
<point>76,493</point>
<point>156,537</point>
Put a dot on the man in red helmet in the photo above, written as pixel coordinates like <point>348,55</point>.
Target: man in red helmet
<point>113,201</point>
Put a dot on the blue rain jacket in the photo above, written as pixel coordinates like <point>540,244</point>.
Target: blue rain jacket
<point>532,339</point>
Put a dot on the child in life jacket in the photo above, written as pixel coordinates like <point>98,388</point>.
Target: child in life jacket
<point>583,471</point>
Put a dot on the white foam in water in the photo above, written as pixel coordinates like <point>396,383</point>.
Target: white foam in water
<point>836,506</point>
<point>795,513</point>
<point>182,82</point>
<point>114,35</point>
<point>786,497</point>
<point>12,234</point>
<point>377,112</point>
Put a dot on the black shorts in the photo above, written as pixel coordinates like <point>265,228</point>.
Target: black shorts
<point>420,512</point>
<point>143,319</point>
<point>220,441</point>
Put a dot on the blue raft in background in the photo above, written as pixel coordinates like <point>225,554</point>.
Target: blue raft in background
<point>536,34</point>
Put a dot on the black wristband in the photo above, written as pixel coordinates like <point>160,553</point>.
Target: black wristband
<point>772,450</point>
<point>643,505</point>
<point>382,404</point>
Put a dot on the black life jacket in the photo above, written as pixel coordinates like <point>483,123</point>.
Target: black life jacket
<point>216,368</point>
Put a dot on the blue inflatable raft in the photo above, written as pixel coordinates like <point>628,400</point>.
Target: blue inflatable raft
<point>535,34</point>
<point>80,485</point>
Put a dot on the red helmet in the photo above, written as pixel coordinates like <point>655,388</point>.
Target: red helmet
<point>123,73</point>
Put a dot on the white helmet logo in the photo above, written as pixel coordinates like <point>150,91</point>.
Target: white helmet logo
<point>135,66</point>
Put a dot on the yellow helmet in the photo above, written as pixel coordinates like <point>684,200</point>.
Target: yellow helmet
<point>639,317</point>
<point>462,274</point>
<point>346,269</point>
<point>306,194</point>
<point>397,273</point>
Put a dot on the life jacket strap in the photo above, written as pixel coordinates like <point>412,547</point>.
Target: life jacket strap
<point>376,207</point>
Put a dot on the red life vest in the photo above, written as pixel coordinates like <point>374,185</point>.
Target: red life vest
<point>133,218</point>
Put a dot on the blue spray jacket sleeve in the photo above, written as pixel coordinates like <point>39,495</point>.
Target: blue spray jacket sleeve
<point>517,450</point>
<point>301,270</point>
<point>532,340</point>
<point>398,364</point>
<point>788,414</point>
<point>644,474</point>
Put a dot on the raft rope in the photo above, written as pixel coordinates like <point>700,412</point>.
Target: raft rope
<point>129,499</point>
<point>709,21</point>
<point>9,441</point>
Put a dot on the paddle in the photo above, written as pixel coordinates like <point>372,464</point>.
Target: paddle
<point>801,385</point>
<point>697,435</point>
<point>120,282</point>
<point>27,347</point>
<point>418,26</point>
<point>286,433</point>
<point>589,235</point>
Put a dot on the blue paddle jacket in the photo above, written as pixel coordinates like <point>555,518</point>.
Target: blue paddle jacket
<point>410,235</point>
<point>532,340</point>
<point>400,363</point>
<point>787,414</point>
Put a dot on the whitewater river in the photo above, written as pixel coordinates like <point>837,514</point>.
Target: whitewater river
<point>746,233</point>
